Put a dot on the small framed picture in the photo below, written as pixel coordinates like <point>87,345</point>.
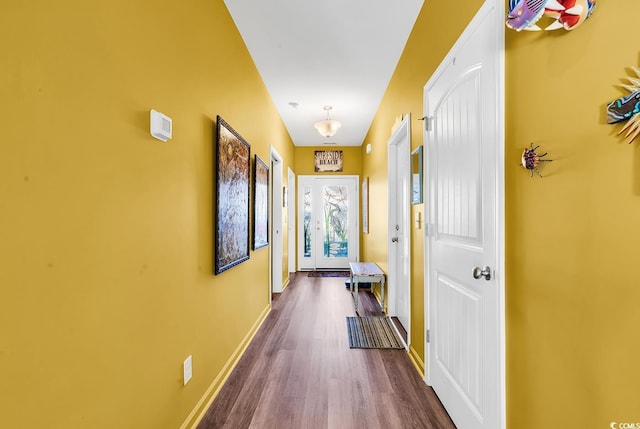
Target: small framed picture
<point>260,204</point>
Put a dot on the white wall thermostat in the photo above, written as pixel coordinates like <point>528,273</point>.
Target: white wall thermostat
<point>160,126</point>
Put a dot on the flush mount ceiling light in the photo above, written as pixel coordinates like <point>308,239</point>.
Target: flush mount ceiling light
<point>328,127</point>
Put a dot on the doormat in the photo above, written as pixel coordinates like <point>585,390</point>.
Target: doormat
<point>372,333</point>
<point>329,274</point>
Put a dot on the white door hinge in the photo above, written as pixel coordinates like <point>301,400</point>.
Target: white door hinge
<point>428,229</point>
<point>428,335</point>
<point>428,123</point>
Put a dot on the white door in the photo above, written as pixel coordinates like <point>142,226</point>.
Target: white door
<point>276,225</point>
<point>463,146</point>
<point>399,281</point>
<point>328,234</point>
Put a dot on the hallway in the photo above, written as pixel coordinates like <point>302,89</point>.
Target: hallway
<point>299,372</point>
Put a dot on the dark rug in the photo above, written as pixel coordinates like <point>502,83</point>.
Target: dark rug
<point>372,333</point>
<point>329,274</point>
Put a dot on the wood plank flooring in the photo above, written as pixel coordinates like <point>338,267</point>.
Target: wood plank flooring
<point>299,372</point>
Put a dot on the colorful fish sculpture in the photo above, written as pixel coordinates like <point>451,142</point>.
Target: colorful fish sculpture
<point>524,14</point>
<point>574,14</point>
<point>627,108</point>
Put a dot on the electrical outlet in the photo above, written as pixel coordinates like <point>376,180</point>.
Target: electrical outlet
<point>187,370</point>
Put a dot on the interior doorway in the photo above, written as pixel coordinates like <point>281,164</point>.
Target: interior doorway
<point>399,281</point>
<point>464,256</point>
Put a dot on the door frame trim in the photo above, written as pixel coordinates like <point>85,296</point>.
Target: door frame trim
<point>291,220</point>
<point>276,247</point>
<point>499,36</point>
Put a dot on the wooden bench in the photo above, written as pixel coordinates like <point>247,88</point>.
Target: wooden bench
<point>366,272</point>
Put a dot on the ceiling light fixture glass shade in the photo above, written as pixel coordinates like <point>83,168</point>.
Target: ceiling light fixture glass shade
<point>328,127</point>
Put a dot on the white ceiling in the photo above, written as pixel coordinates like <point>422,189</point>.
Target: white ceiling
<point>314,53</point>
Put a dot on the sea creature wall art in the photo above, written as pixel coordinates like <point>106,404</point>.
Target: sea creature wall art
<point>567,14</point>
<point>627,108</point>
<point>531,159</point>
<point>574,14</point>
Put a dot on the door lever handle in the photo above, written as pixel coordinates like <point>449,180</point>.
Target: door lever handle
<point>482,272</point>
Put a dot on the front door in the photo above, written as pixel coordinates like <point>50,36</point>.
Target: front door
<point>463,299</point>
<point>328,225</point>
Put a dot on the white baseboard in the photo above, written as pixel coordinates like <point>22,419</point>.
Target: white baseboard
<point>198,412</point>
<point>417,362</point>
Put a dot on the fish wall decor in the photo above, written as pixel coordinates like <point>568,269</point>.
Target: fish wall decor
<point>627,108</point>
<point>567,14</point>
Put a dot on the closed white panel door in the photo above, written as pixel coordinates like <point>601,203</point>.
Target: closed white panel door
<point>463,297</point>
<point>399,281</point>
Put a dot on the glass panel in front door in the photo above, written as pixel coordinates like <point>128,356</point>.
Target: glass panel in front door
<point>308,232</point>
<point>336,221</point>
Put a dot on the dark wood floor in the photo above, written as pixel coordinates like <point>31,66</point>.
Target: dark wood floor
<point>299,372</point>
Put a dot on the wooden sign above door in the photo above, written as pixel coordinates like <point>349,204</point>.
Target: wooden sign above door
<point>328,161</point>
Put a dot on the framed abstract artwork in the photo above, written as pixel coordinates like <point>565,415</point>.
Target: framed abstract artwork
<point>232,176</point>
<point>260,204</point>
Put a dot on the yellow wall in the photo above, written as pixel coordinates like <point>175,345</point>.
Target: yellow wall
<point>106,281</point>
<point>106,233</point>
<point>572,283</point>
<point>572,286</point>
<point>428,44</point>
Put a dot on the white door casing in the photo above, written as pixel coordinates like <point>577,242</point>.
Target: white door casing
<point>311,189</point>
<point>291,219</point>
<point>464,141</point>
<point>399,259</point>
<point>276,224</point>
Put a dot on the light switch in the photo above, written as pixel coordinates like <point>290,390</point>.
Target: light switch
<point>187,370</point>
